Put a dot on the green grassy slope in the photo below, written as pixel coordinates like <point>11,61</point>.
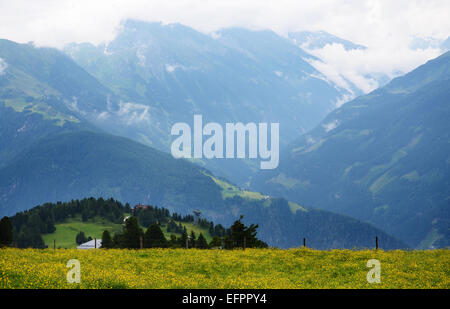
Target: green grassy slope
<point>230,191</point>
<point>42,91</point>
<point>66,231</point>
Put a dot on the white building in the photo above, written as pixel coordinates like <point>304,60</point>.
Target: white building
<point>91,244</point>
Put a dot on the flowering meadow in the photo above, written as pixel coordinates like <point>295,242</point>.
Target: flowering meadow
<point>235,269</point>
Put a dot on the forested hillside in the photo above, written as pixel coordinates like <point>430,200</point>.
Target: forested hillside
<point>382,158</point>
<point>29,228</point>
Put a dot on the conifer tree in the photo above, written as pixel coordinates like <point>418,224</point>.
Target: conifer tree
<point>154,237</point>
<point>192,240</point>
<point>106,240</point>
<point>6,232</point>
<point>132,234</point>
<point>201,242</point>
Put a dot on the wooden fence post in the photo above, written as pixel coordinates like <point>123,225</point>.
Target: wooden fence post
<point>245,243</point>
<point>304,242</point>
<point>54,244</point>
<point>95,243</point>
<point>140,242</point>
<point>376,242</point>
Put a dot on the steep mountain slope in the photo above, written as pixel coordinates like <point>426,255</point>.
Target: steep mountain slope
<point>167,73</point>
<point>42,91</point>
<point>20,129</point>
<point>382,158</point>
<point>50,78</point>
<point>78,164</point>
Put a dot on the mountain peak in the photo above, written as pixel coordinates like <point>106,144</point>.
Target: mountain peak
<point>319,39</point>
<point>145,27</point>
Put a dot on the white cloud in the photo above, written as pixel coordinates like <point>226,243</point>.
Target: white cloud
<point>133,113</point>
<point>386,27</point>
<point>215,35</point>
<point>103,116</point>
<point>369,22</point>
<point>170,68</point>
<point>73,106</point>
<point>127,113</point>
<point>359,66</point>
<point>279,73</point>
<point>310,140</point>
<point>344,99</point>
<point>141,57</point>
<point>331,125</point>
<point>3,66</point>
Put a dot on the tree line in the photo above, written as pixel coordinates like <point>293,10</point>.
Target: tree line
<point>133,237</point>
<point>29,225</point>
<point>25,229</point>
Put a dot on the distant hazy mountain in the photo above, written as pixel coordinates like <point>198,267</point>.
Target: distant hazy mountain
<point>42,91</point>
<point>318,39</point>
<point>166,73</point>
<point>430,42</point>
<point>446,44</point>
<point>382,158</point>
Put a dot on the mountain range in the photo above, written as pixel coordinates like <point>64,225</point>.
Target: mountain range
<point>52,151</point>
<point>382,158</point>
<point>94,120</point>
<point>164,74</point>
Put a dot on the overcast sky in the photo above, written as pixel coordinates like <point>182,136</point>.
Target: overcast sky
<point>385,27</point>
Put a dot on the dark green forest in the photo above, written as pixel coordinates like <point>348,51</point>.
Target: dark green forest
<point>141,226</point>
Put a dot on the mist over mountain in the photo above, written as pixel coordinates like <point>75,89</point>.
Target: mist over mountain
<point>318,39</point>
<point>322,44</point>
<point>382,158</point>
<point>166,73</point>
<point>42,92</point>
<point>430,42</point>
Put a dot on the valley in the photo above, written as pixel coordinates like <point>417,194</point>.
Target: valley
<point>95,121</point>
<point>382,158</point>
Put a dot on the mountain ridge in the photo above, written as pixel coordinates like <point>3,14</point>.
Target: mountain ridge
<point>167,73</point>
<point>381,158</point>
<point>73,165</point>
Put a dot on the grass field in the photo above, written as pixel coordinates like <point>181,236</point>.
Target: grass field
<point>252,268</point>
<point>66,232</point>
<point>229,191</point>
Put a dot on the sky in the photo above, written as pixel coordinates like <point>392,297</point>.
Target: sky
<point>386,27</point>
